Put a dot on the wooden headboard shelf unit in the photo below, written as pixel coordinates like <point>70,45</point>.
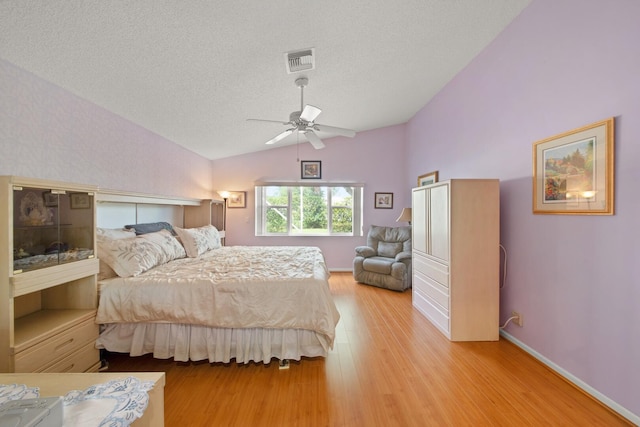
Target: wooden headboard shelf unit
<point>117,208</point>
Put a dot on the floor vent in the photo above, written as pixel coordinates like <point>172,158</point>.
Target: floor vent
<point>300,60</point>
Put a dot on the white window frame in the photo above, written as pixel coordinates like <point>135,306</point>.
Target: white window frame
<point>261,211</point>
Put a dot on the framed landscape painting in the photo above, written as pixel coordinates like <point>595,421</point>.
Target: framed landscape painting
<point>573,172</point>
<point>428,178</point>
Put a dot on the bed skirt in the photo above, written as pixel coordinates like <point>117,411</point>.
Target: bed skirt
<point>194,342</point>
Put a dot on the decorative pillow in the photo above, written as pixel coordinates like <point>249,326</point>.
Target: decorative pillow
<point>150,227</point>
<point>389,249</point>
<point>197,241</point>
<point>171,248</point>
<point>103,234</point>
<point>131,257</point>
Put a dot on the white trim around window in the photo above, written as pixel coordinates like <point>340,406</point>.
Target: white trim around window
<point>308,209</point>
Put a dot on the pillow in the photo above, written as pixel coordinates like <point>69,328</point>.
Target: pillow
<point>389,249</point>
<point>114,233</point>
<point>150,227</point>
<point>197,241</point>
<point>102,234</point>
<point>134,256</point>
<point>171,248</point>
<point>105,272</point>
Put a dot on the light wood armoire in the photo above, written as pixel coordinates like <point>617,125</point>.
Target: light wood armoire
<point>456,257</point>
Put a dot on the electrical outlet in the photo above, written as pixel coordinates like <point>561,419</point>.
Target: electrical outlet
<point>518,318</point>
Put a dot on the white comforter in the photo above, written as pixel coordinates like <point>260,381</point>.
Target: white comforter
<point>282,287</point>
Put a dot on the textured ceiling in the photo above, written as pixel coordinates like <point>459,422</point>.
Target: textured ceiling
<point>194,71</point>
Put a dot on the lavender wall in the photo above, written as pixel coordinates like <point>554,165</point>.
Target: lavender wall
<point>375,158</point>
<point>559,66</point>
<point>47,132</point>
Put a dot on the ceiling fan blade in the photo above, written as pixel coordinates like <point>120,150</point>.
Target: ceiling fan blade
<point>332,129</point>
<point>313,139</point>
<point>280,136</point>
<point>270,121</point>
<point>310,113</point>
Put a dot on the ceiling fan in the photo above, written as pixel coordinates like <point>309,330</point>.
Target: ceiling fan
<point>303,121</point>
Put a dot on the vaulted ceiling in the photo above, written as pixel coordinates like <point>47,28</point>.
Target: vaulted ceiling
<point>194,71</point>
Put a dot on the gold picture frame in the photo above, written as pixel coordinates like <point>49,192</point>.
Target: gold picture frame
<point>237,199</point>
<point>573,172</point>
<point>428,178</point>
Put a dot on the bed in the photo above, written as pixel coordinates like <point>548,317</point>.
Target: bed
<point>177,293</point>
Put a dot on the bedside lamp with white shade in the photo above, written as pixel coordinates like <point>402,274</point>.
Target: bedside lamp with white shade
<point>405,216</point>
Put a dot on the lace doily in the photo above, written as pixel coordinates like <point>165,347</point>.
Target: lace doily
<point>116,403</point>
<point>17,391</point>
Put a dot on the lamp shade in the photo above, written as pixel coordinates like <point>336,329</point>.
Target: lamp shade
<point>405,216</point>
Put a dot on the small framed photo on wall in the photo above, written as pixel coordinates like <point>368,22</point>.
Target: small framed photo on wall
<point>237,199</point>
<point>311,169</point>
<point>384,201</point>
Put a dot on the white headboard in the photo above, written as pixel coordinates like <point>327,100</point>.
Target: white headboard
<point>116,208</point>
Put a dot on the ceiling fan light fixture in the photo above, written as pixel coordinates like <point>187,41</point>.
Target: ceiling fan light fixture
<point>310,113</point>
<point>300,60</point>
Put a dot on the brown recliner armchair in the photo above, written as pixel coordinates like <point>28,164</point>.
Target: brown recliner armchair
<point>386,260</point>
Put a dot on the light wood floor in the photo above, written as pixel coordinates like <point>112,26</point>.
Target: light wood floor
<point>389,367</point>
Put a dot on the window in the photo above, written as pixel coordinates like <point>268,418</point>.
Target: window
<point>309,210</point>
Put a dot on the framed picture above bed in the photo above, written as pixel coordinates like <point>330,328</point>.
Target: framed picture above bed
<point>237,199</point>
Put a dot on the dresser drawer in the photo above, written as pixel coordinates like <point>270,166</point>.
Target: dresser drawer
<point>432,311</point>
<point>433,269</point>
<point>432,289</point>
<point>45,353</point>
<point>79,361</point>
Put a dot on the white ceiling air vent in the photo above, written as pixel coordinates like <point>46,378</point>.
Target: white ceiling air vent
<point>300,60</point>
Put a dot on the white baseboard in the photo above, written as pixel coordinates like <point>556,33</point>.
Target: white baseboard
<point>575,380</point>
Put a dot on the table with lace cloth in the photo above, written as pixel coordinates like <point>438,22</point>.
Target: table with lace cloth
<point>95,399</point>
